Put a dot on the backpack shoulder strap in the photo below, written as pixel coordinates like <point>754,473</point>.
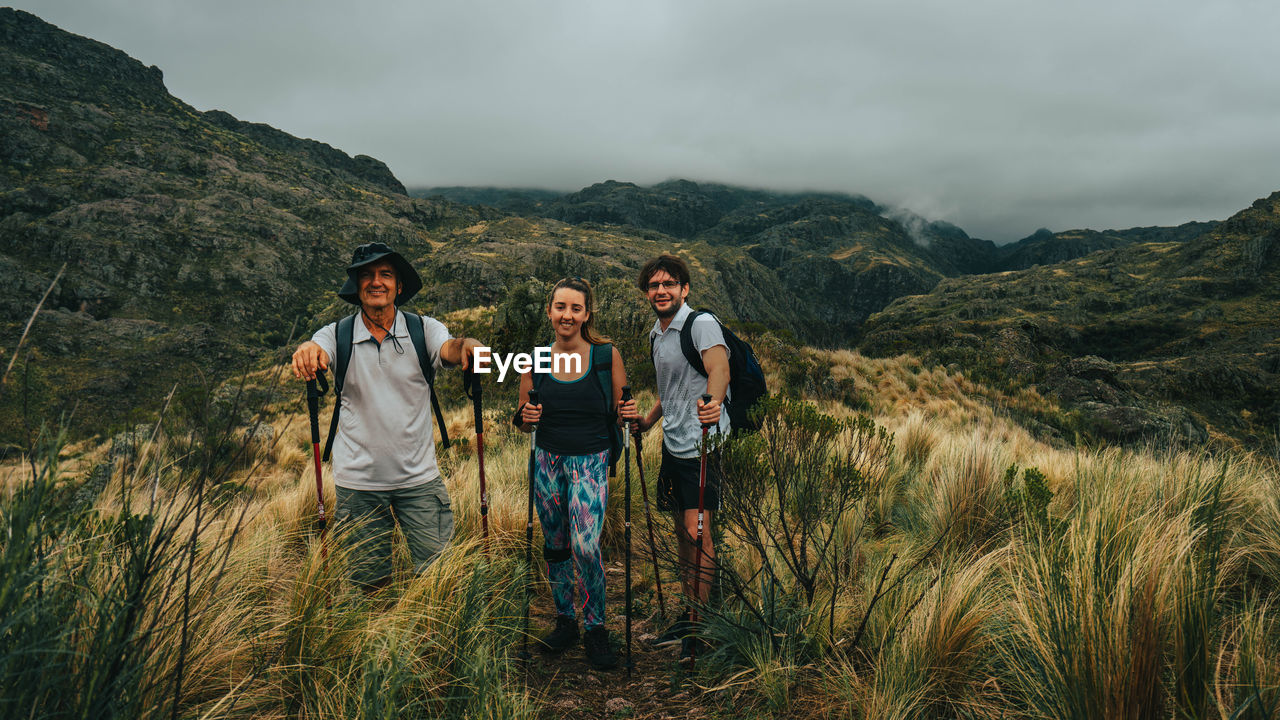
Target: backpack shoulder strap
<point>536,377</point>
<point>413,323</point>
<point>345,335</point>
<point>602,369</point>
<point>686,342</point>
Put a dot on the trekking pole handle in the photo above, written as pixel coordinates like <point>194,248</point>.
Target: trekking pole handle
<point>533,400</point>
<point>313,402</point>
<point>706,398</point>
<point>626,398</point>
<point>474,381</point>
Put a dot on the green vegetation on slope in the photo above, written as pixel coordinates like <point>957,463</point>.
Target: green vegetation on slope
<point>197,244</point>
<point>1128,337</point>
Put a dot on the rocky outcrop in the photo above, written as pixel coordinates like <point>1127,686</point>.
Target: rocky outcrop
<point>1179,330</point>
<point>191,241</point>
<point>363,167</point>
<point>1131,424</point>
<point>676,212</point>
<point>1048,248</point>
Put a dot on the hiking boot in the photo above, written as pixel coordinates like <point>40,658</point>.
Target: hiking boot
<point>600,654</point>
<point>678,630</point>
<point>690,647</point>
<point>562,638</point>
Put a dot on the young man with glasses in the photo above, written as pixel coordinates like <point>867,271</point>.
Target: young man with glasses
<point>665,282</point>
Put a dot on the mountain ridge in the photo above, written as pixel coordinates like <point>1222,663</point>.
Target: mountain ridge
<point>1170,326</point>
<point>197,244</point>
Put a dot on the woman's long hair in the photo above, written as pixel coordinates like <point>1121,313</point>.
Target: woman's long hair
<point>588,329</point>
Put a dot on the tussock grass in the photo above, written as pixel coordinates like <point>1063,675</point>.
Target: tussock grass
<point>980,573</point>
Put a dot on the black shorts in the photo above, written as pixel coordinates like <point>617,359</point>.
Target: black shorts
<point>678,483</point>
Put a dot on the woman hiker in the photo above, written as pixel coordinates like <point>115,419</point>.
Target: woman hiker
<point>576,421</point>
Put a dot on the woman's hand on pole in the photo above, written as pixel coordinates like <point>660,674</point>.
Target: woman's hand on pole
<point>530,414</point>
<point>628,411</point>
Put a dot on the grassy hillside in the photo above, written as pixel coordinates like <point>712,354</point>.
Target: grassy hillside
<point>190,240</point>
<point>193,245</point>
<point>975,572</point>
<point>1131,338</point>
<point>913,534</point>
<point>852,256</point>
<point>919,531</point>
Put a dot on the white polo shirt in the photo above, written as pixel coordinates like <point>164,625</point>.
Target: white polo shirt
<point>679,385</point>
<point>385,439</point>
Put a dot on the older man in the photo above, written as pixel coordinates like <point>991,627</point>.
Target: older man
<point>384,454</point>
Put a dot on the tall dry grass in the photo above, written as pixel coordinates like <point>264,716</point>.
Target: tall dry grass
<point>1074,583</point>
<point>1109,583</point>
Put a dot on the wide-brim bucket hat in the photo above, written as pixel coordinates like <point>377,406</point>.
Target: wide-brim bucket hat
<point>410,282</point>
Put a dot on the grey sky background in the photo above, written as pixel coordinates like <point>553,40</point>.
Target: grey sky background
<point>1000,116</point>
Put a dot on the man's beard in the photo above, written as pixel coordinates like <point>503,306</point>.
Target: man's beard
<point>671,311</point>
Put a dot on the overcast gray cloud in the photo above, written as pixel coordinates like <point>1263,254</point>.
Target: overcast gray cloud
<point>1001,116</point>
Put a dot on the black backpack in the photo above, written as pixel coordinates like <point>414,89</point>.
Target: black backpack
<point>346,335</point>
<point>746,378</point>
<point>602,370</point>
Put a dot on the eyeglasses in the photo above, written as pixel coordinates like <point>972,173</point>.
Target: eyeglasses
<point>665,285</point>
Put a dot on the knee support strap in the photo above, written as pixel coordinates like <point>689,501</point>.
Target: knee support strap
<point>552,555</point>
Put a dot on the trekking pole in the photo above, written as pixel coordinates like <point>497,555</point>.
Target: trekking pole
<point>697,568</point>
<point>648,517</point>
<point>471,384</point>
<point>313,409</point>
<point>528,535</point>
<point>626,517</point>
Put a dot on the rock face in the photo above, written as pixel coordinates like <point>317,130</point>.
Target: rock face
<point>259,442</point>
<point>675,211</point>
<point>1086,379</point>
<point>369,169</point>
<point>1146,341</point>
<point>851,256</point>
<point>1129,424</point>
<point>1048,248</point>
<point>190,239</point>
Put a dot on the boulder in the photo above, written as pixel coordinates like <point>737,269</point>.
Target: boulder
<point>1132,424</point>
<point>1088,378</point>
<point>260,442</point>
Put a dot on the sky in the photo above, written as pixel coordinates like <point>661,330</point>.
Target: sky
<point>1000,116</point>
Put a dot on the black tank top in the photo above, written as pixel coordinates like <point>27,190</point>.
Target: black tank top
<point>573,416</point>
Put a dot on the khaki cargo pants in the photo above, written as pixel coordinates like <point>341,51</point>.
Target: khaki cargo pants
<point>425,517</point>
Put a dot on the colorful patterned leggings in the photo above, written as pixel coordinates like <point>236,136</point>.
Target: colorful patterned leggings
<point>572,492</point>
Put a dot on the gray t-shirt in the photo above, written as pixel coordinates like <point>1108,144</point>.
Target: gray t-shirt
<point>385,437</point>
<point>679,385</point>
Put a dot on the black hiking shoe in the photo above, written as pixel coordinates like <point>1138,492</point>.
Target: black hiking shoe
<point>562,638</point>
<point>677,631</point>
<point>600,654</point>
<point>691,647</point>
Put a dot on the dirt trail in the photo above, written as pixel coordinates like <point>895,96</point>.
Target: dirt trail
<point>657,688</point>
